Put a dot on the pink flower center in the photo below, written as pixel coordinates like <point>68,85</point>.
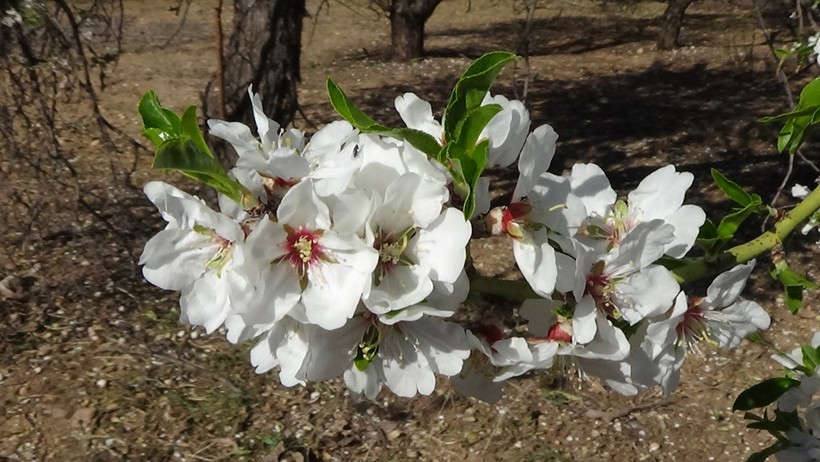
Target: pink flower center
<point>600,286</point>
<point>303,248</point>
<point>693,326</point>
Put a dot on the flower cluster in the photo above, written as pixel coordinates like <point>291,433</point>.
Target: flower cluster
<point>349,259</point>
<point>607,305</point>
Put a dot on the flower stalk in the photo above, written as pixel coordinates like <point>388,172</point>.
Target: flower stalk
<point>701,267</point>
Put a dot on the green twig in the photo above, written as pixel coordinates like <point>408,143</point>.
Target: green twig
<point>701,267</point>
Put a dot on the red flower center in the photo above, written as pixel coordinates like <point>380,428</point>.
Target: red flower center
<point>303,248</point>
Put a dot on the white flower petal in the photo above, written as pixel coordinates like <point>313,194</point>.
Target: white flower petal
<point>332,294</point>
<point>417,113</point>
<point>442,245</point>
<point>175,258</point>
<point>301,206</point>
<point>536,157</point>
<point>536,260</point>
<point>735,322</point>
<point>687,222</point>
<point>661,193</point>
<point>725,289</point>
<point>400,287</point>
<point>590,184</point>
<point>206,302</point>
<point>650,292</point>
<point>585,321</point>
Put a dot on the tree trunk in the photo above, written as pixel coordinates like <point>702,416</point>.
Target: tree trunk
<point>407,37</point>
<point>407,19</point>
<point>671,22</point>
<point>263,51</point>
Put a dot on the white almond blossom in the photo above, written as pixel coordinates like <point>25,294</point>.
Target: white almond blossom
<point>301,258</point>
<point>624,282</point>
<point>523,220</point>
<point>411,256</point>
<point>659,196</point>
<point>197,253</point>
<point>582,333</point>
<point>405,356</point>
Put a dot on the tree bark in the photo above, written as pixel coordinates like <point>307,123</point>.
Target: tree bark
<point>407,20</point>
<point>263,51</point>
<point>671,22</point>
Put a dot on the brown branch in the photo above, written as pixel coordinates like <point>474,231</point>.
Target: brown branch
<point>220,70</point>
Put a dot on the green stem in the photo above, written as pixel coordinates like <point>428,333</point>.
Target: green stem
<point>701,267</point>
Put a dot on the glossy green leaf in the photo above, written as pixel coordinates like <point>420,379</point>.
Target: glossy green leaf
<point>191,130</point>
<point>185,156</point>
<point>472,173</point>
<point>800,120</point>
<point>811,357</point>
<point>780,52</point>
<point>731,189</point>
<point>793,286</point>
<point>708,239</point>
<point>470,128</point>
<point>346,108</point>
<point>731,222</point>
<point>764,393</point>
<point>471,88</point>
<point>787,115</point>
<point>810,95</point>
<point>418,139</point>
<point>159,124</point>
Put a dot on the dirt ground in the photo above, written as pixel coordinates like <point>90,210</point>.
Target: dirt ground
<point>94,364</point>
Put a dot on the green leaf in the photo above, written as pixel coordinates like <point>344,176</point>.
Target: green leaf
<point>346,108</point>
<point>787,115</point>
<point>186,157</point>
<point>708,239</point>
<point>469,129</point>
<point>811,357</point>
<point>672,263</point>
<point>417,138</point>
<point>784,139</point>
<point>800,120</point>
<point>731,189</point>
<point>159,124</point>
<point>764,393</point>
<point>191,130</point>
<point>349,111</point>
<point>471,88</point>
<point>476,166</point>
<point>731,222</point>
<point>810,96</point>
<point>793,285</point>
